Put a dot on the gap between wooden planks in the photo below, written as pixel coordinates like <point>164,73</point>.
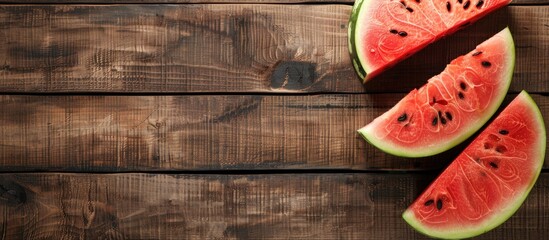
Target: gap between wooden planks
<point>202,132</point>
<point>159,206</point>
<point>205,48</point>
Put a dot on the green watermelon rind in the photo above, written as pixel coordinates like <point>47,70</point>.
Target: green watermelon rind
<point>511,208</point>
<point>432,150</point>
<point>360,68</point>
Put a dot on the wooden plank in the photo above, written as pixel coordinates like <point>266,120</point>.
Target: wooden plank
<point>228,48</point>
<point>172,48</point>
<point>149,133</point>
<point>304,206</point>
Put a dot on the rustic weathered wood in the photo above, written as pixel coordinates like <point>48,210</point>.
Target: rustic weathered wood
<point>172,48</point>
<point>148,133</point>
<point>228,48</point>
<point>304,206</point>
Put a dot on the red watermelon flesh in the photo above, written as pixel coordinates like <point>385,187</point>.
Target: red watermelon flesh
<point>451,106</point>
<point>384,32</point>
<point>489,180</point>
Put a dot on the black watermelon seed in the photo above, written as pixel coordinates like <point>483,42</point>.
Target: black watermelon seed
<point>393,31</point>
<point>477,53</point>
<point>418,1</point>
<point>435,121</point>
<point>409,9</point>
<point>448,6</point>
<point>449,116</point>
<point>493,165</point>
<point>460,95</point>
<point>402,117</point>
<point>503,132</point>
<point>486,64</point>
<point>462,86</point>
<point>479,4</point>
<point>460,1</point>
<point>403,34</point>
<point>434,100</point>
<point>443,120</point>
<point>466,5</point>
<point>429,202</point>
<point>439,204</point>
<point>403,3</point>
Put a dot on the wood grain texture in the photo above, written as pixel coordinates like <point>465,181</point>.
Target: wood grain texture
<point>229,48</point>
<point>172,48</point>
<point>304,206</point>
<point>150,133</point>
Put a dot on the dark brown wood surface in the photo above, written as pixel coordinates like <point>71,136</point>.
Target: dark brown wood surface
<point>203,132</point>
<point>127,119</point>
<point>229,48</point>
<point>149,206</point>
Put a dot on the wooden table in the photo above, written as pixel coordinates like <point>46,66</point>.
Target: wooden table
<point>202,119</point>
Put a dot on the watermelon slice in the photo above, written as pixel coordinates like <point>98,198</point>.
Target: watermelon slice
<point>384,32</point>
<point>489,180</point>
<point>451,106</point>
